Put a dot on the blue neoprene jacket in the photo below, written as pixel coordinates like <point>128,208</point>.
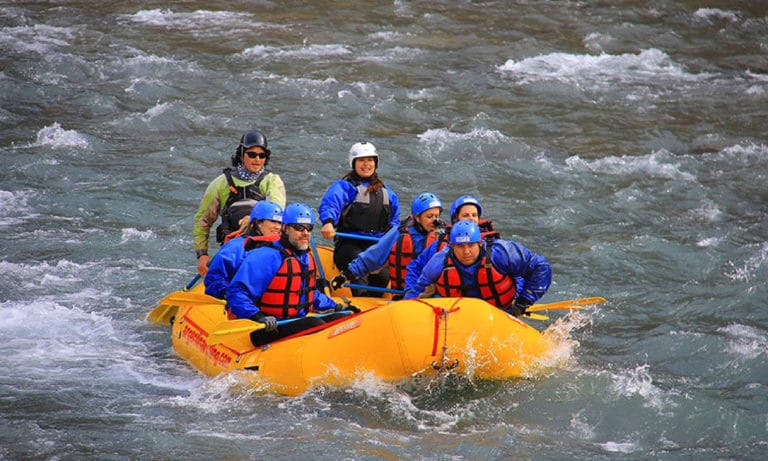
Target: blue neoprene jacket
<point>416,266</point>
<point>342,193</point>
<point>508,257</point>
<point>376,255</point>
<point>223,266</point>
<point>254,276</point>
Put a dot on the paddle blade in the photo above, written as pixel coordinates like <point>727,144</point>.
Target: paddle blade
<point>532,316</point>
<point>163,314</point>
<point>168,307</point>
<point>231,329</point>
<point>566,305</point>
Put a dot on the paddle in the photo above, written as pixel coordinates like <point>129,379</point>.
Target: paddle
<point>323,281</point>
<point>357,236</point>
<point>168,306</point>
<point>230,329</point>
<point>373,288</point>
<point>192,282</point>
<point>566,305</point>
<point>532,316</point>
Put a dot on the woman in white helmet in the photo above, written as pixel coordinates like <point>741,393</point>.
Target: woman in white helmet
<point>361,204</point>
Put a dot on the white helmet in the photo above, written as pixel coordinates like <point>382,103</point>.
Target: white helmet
<point>362,149</point>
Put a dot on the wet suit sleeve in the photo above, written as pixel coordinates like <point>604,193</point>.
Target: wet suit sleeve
<point>334,201</point>
<point>251,280</point>
<point>375,255</point>
<point>273,189</point>
<point>428,276</point>
<point>223,267</point>
<point>514,259</point>
<point>208,212</point>
<point>416,266</point>
<point>394,202</point>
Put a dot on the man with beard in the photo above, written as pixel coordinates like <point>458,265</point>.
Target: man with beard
<point>276,281</point>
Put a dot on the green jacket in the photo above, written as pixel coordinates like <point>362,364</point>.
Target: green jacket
<point>215,197</point>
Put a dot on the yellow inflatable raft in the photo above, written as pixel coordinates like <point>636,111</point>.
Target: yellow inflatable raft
<point>391,341</point>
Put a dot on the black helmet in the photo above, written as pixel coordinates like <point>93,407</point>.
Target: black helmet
<point>250,139</point>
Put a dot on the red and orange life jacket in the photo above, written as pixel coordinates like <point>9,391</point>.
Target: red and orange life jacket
<point>283,296</point>
<point>496,288</point>
<point>401,254</point>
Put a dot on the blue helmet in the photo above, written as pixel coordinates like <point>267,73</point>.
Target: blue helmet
<point>298,213</point>
<point>264,209</point>
<point>464,200</point>
<point>465,231</point>
<point>424,202</point>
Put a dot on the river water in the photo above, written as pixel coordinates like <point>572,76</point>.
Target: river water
<point>624,140</point>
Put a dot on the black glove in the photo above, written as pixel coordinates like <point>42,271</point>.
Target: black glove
<point>439,226</point>
<point>270,322</point>
<point>520,306</point>
<point>347,307</point>
<point>321,284</point>
<point>340,279</point>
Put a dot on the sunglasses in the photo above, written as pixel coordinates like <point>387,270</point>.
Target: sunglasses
<point>257,155</point>
<point>301,227</point>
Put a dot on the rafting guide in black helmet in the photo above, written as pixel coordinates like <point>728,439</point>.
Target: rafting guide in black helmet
<point>247,141</point>
<point>232,194</point>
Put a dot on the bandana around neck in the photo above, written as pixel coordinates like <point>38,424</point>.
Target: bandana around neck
<point>246,175</point>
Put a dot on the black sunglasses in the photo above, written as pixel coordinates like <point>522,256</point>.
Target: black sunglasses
<point>257,154</point>
<point>302,227</point>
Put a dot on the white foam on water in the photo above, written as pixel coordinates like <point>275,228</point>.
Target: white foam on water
<point>143,59</point>
<point>595,42</point>
<point>14,207</point>
<point>55,136</point>
<point>619,447</point>
<point>747,153</point>
<point>710,241</point>
<point>560,333</point>
<point>755,76</point>
<point>386,36</point>
<point>660,164</point>
<point>220,393</point>
<point>639,382</point>
<point>402,407</point>
<point>578,70</point>
<point>395,54</point>
<point>745,342</point>
<point>716,13</point>
<point>423,94</point>
<point>153,67</point>
<point>305,87</point>
<point>581,426</point>
<point>157,110</point>
<point>750,269</point>
<point>131,233</point>
<point>38,38</point>
<point>199,20</point>
<point>296,52</point>
<point>439,138</point>
<point>44,337</point>
<point>31,275</point>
